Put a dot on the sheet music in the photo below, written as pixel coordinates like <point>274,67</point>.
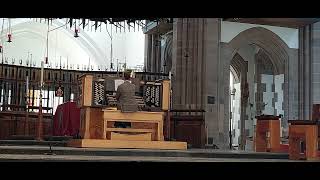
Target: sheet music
<point>117,83</point>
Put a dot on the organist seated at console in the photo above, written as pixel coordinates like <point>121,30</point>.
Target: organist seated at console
<point>126,99</point>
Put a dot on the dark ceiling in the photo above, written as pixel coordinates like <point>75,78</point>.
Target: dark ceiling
<point>120,23</point>
<point>133,22</point>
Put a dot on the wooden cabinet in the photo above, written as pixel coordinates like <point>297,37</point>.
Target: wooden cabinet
<point>85,85</point>
<point>190,129</point>
<point>91,123</point>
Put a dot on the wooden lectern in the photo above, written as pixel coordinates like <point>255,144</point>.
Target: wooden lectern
<point>267,134</point>
<point>303,139</point>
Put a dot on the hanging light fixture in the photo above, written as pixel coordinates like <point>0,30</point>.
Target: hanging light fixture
<point>9,31</point>
<point>9,38</point>
<point>111,66</point>
<point>76,33</point>
<point>46,61</point>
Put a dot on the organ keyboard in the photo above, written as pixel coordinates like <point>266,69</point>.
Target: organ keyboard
<point>112,101</point>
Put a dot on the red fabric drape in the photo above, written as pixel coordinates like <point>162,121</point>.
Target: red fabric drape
<point>66,120</point>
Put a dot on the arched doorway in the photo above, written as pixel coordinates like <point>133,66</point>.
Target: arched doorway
<point>259,63</point>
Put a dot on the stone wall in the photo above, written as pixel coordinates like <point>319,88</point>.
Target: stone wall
<point>201,75</point>
<point>315,56</point>
<point>198,74</point>
<point>286,60</point>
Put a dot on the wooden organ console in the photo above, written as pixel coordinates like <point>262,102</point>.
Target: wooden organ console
<point>99,112</point>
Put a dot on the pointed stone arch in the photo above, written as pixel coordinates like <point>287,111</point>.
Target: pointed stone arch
<point>273,46</point>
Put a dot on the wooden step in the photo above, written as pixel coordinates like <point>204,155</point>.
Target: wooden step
<point>100,143</point>
<point>131,130</point>
<point>131,137</point>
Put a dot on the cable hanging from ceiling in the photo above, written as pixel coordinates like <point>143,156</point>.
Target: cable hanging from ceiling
<point>1,40</point>
<point>46,50</point>
<point>111,48</point>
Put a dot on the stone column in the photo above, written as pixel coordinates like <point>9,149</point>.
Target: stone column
<point>248,95</point>
<point>217,111</point>
<point>315,56</point>
<point>156,53</point>
<point>153,54</point>
<point>199,77</point>
<point>305,73</point>
<point>148,52</point>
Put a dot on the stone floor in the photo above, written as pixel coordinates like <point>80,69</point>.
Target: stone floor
<point>212,153</point>
<point>43,153</point>
<point>21,157</point>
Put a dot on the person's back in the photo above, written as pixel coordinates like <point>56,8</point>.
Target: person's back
<point>126,99</point>
<point>126,95</point>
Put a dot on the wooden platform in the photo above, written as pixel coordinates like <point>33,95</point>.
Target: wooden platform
<point>102,143</point>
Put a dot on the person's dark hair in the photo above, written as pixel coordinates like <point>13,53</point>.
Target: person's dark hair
<point>127,75</point>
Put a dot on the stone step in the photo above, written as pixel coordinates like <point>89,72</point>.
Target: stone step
<point>197,153</point>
